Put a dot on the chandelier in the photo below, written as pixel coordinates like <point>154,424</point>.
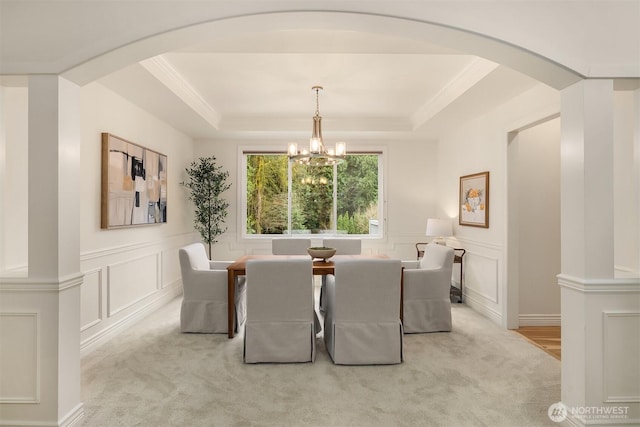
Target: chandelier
<point>317,155</point>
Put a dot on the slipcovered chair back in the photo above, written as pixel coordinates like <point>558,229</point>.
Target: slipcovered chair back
<point>193,257</point>
<point>437,256</point>
<point>204,299</point>
<point>289,246</point>
<point>280,324</point>
<point>362,319</point>
<point>344,246</point>
<point>426,292</point>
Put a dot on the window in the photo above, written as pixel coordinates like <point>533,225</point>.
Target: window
<point>281,197</point>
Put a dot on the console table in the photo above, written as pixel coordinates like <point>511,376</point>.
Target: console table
<point>457,259</point>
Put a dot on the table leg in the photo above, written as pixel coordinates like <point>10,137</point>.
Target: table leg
<point>231,301</point>
<point>402,294</point>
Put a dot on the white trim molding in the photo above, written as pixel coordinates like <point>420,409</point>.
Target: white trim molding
<point>31,321</point>
<point>601,286</point>
<point>539,319</point>
<point>160,298</point>
<point>618,358</point>
<point>42,285</point>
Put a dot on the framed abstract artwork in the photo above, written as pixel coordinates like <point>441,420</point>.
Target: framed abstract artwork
<point>134,184</point>
<point>474,200</point>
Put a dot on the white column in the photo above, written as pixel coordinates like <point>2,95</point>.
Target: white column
<point>40,315</point>
<point>3,167</point>
<point>54,175</point>
<point>587,179</point>
<point>600,315</point>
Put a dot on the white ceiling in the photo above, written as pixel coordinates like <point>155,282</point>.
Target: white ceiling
<point>259,86</point>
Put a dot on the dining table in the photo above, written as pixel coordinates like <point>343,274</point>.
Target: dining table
<point>239,268</point>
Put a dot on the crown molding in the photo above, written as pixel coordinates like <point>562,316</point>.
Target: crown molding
<point>160,68</point>
<point>477,70</point>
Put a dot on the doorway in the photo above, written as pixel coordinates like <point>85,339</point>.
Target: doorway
<point>533,160</point>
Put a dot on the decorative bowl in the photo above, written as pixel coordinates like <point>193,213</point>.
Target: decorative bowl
<point>321,252</point>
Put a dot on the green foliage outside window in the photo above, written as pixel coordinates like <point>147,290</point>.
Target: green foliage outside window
<point>267,184</point>
<point>357,193</point>
<point>312,195</point>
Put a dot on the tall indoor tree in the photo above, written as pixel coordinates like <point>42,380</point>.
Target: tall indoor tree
<point>207,181</point>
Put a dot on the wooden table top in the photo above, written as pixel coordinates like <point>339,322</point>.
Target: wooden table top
<point>320,267</point>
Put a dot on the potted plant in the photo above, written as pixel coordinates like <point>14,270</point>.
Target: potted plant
<point>207,181</point>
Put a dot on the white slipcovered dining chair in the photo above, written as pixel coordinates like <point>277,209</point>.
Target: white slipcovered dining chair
<point>344,246</point>
<point>204,301</point>
<point>289,246</point>
<point>281,323</point>
<point>427,284</point>
<point>362,320</point>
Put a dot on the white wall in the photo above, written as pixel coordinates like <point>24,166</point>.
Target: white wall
<point>129,271</point>
<point>13,180</point>
<point>626,177</point>
<point>410,189</point>
<point>537,204</point>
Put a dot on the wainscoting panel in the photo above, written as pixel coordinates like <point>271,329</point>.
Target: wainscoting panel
<point>20,358</point>
<point>121,293</point>
<point>91,299</point>
<point>481,276</point>
<point>621,334</point>
<point>123,284</point>
<point>170,267</point>
<point>484,272</point>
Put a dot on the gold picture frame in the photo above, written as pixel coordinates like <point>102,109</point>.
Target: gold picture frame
<point>134,184</point>
<point>474,200</point>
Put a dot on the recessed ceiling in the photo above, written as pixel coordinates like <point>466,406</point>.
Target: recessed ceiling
<point>259,85</point>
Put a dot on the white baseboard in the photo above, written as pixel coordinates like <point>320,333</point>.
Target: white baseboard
<point>481,308</point>
<point>162,297</point>
<point>74,417</point>
<point>539,320</point>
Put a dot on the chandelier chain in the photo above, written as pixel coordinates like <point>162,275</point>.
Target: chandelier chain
<point>317,88</point>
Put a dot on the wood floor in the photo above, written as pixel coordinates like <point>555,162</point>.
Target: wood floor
<point>545,337</point>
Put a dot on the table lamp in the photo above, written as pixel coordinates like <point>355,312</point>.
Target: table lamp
<point>439,229</point>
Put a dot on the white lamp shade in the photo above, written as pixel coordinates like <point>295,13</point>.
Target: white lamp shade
<point>439,227</point>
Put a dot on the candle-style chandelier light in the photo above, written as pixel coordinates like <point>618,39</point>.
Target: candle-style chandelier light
<point>317,155</point>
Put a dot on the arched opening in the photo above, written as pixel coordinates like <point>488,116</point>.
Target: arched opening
<point>533,249</point>
<point>529,63</point>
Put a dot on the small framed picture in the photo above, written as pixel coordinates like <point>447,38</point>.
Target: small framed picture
<point>474,200</point>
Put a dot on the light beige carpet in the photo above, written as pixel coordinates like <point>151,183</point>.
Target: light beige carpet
<point>477,375</point>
